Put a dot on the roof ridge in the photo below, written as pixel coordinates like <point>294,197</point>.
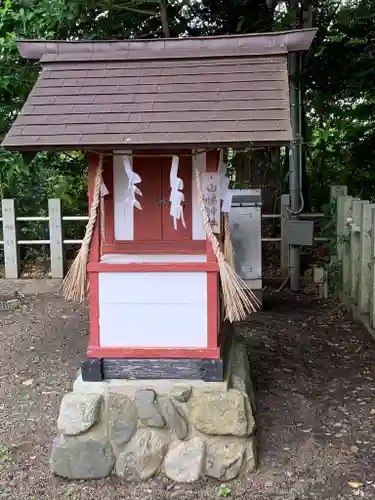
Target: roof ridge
<point>260,43</point>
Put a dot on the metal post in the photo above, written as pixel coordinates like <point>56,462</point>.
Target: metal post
<point>284,247</point>
<point>294,168</point>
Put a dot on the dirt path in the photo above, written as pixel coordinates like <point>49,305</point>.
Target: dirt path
<point>314,373</point>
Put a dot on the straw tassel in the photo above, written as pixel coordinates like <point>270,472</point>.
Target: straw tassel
<point>239,300</point>
<point>228,247</point>
<point>75,284</point>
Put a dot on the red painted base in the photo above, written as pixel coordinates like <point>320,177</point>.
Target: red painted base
<point>150,352</point>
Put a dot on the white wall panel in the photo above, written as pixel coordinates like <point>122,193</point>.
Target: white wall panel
<point>153,309</point>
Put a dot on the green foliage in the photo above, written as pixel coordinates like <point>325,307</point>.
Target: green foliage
<point>334,266</point>
<point>338,83</point>
<point>224,491</point>
<point>6,456</point>
<point>341,102</point>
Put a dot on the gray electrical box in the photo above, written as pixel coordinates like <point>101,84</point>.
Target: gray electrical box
<point>245,221</point>
<point>300,232</point>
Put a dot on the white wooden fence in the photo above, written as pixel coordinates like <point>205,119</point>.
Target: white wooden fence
<point>11,242</point>
<point>356,253</point>
<point>56,242</point>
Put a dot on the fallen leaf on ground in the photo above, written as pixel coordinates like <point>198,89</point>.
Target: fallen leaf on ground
<point>354,484</point>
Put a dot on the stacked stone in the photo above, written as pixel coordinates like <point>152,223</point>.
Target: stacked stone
<point>184,434</point>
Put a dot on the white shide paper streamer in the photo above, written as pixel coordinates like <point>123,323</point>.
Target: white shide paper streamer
<point>176,198</point>
<point>226,194</point>
<point>103,190</point>
<point>133,179</point>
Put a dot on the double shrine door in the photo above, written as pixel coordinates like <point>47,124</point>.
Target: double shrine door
<point>154,222</point>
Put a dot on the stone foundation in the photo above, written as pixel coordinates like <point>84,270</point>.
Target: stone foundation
<point>139,428</point>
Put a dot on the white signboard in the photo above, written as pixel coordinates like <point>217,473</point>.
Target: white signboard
<point>211,194</point>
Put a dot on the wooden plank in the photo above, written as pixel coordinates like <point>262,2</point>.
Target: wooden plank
<point>372,289</point>
<point>364,286</point>
<point>11,254</point>
<point>143,79</point>
<point>211,191</point>
<point>162,88</point>
<point>148,221</point>
<point>342,228</point>
<point>347,213</point>
<point>337,193</point>
<point>209,370</point>
<point>355,248</point>
<point>176,116</point>
<point>56,238</point>
<point>155,267</point>
<point>284,247</point>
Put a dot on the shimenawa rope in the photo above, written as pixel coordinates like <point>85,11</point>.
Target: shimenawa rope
<point>239,300</point>
<point>228,247</point>
<point>75,285</point>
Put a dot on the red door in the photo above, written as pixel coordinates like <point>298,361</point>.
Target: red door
<point>153,222</point>
<point>147,222</point>
<point>184,172</point>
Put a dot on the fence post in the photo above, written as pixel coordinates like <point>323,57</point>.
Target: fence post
<point>364,287</point>
<point>372,290</point>
<point>56,238</point>
<point>344,204</point>
<point>11,255</point>
<point>284,247</point>
<point>355,250</point>
<point>336,191</point>
<point>342,213</point>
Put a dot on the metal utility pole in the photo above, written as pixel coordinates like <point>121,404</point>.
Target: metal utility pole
<point>295,166</point>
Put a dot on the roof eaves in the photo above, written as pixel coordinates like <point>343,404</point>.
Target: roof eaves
<point>265,43</point>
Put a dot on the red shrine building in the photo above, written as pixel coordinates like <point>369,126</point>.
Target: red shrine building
<point>157,112</point>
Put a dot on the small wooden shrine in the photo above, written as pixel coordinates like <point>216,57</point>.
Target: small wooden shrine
<point>154,117</point>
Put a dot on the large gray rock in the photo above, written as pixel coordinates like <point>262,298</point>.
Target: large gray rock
<point>142,456</point>
<point>84,457</point>
<point>147,410</point>
<point>181,392</point>
<point>174,417</point>
<point>220,413</point>
<point>78,412</point>
<point>122,419</point>
<point>224,457</point>
<point>250,416</point>
<point>184,462</point>
<point>240,377</point>
<point>250,457</point>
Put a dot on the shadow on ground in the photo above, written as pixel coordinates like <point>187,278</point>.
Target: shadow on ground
<point>314,374</point>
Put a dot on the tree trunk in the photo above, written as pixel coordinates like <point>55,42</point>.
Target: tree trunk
<point>164,18</point>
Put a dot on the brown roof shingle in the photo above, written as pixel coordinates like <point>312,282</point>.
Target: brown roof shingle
<point>110,98</point>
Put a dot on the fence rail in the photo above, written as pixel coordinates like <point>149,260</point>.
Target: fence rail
<point>356,254</point>
<point>10,222</point>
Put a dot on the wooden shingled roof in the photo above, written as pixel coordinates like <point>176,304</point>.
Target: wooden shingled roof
<point>200,91</point>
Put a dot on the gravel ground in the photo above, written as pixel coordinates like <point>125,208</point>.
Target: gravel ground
<point>314,374</point>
